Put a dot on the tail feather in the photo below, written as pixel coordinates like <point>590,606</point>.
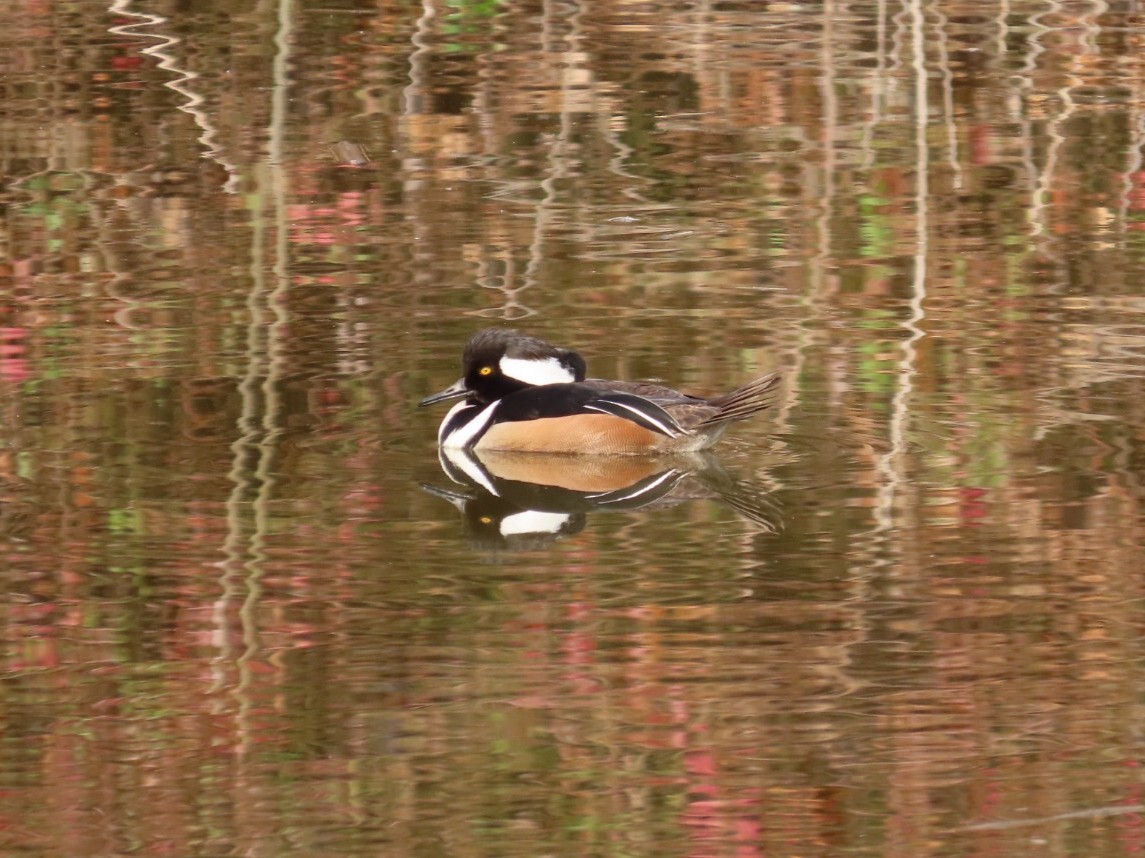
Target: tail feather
<point>744,401</point>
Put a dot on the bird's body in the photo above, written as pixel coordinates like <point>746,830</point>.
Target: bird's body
<point>522,394</point>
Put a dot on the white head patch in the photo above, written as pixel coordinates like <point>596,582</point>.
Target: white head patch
<point>537,370</point>
<point>533,521</point>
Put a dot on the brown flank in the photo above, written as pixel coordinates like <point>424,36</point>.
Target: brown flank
<point>580,433</point>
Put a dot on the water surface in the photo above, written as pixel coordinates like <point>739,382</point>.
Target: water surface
<point>246,611</point>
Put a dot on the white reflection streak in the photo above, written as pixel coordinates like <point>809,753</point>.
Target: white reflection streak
<point>1044,186</point>
<point>890,464</point>
<point>830,124</point>
<point>272,421</point>
<point>818,263</point>
<point>1136,141</point>
<point>260,423</point>
<point>414,94</point>
<point>948,98</point>
<point>614,122</point>
<point>558,153</point>
<point>1003,26</point>
<point>168,63</point>
<point>879,85</point>
<point>1093,813</point>
<point>1026,85</point>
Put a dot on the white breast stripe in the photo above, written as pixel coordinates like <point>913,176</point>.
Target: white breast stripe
<point>547,371</point>
<point>465,436</point>
<point>441,430</point>
<point>672,430</point>
<point>533,521</point>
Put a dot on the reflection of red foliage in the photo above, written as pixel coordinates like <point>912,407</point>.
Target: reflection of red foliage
<point>13,363</point>
<point>981,137</point>
<point>327,225</point>
<point>972,506</point>
<point>1137,194</point>
<point>716,817</point>
<point>1131,826</point>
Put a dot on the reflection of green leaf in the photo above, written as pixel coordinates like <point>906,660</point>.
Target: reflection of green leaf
<point>124,521</point>
<point>876,368</point>
<point>875,319</point>
<point>985,452</point>
<point>1017,278</point>
<point>53,211</point>
<point>25,465</point>
<point>474,8</point>
<point>468,17</point>
<point>874,227</point>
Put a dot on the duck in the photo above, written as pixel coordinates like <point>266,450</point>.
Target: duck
<point>519,393</point>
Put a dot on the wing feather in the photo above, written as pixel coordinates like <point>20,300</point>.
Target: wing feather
<point>639,410</point>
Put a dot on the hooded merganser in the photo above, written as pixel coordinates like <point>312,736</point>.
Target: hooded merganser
<point>524,394</point>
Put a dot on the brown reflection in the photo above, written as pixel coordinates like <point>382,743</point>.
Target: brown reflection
<point>528,500</point>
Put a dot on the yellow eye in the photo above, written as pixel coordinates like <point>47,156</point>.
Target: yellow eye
<point>485,370</point>
<point>486,519</point>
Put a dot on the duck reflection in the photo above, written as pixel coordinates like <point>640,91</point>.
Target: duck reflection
<point>524,501</point>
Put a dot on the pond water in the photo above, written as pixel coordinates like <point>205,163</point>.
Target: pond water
<point>247,610</point>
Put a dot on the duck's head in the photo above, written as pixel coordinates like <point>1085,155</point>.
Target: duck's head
<point>500,361</point>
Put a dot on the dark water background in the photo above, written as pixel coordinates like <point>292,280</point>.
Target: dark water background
<point>245,612</point>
